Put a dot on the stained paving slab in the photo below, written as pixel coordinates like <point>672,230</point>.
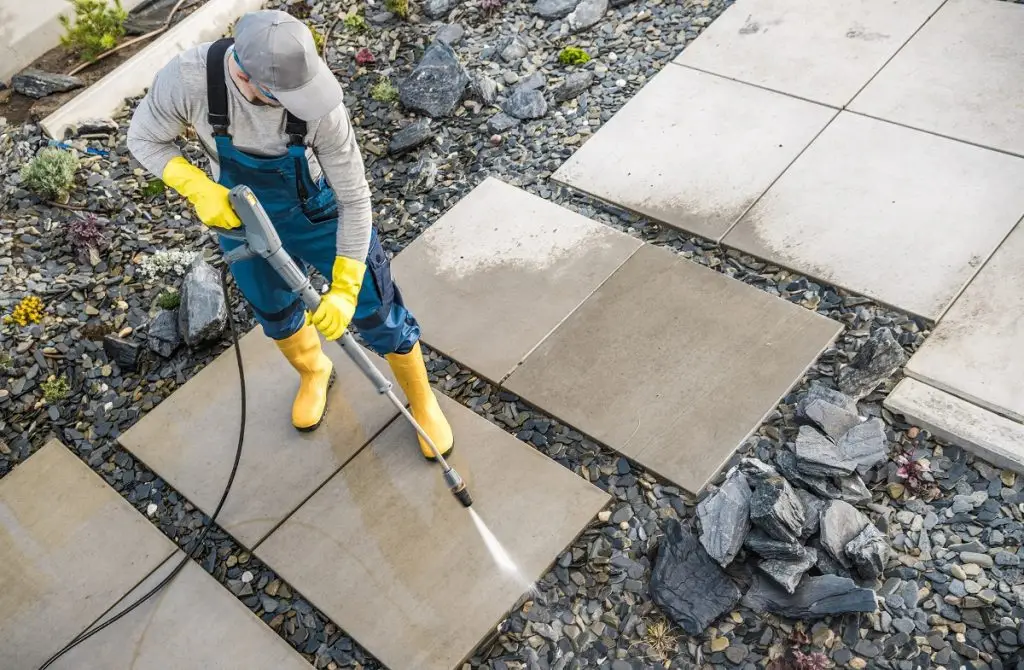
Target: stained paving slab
<point>500,270</point>
<point>977,350</point>
<point>899,215</point>
<point>673,364</point>
<point>191,437</point>
<point>386,551</point>
<point>694,150</point>
<point>70,547</point>
<point>193,622</point>
<point>821,51</point>
<point>960,76</point>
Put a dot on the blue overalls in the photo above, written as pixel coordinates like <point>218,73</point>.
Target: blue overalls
<point>305,215</point>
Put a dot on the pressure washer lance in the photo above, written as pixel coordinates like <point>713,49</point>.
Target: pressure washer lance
<point>261,240</point>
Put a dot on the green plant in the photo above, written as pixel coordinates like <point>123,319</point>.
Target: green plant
<point>51,173</point>
<point>318,37</point>
<point>168,299</point>
<point>153,188</point>
<point>356,23</point>
<point>573,56</point>
<point>399,8</point>
<point>97,27</point>
<point>55,388</point>
<point>384,91</point>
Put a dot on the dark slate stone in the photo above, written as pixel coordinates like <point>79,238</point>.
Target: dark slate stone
<point>533,81</point>
<point>868,552</point>
<point>437,9</point>
<point>775,507</point>
<point>38,84</point>
<point>840,523</point>
<point>815,597</point>
<point>879,357</point>
<point>573,86</point>
<point>586,14</point>
<point>95,127</point>
<point>451,33</point>
<point>483,88</point>
<point>203,314</point>
<point>822,486</point>
<point>526,104</point>
<point>437,83</point>
<point>163,337</point>
<point>818,391</point>
<point>865,444</point>
<point>725,519</point>
<point>501,122</point>
<point>768,547</point>
<point>123,352</point>
<point>853,490</point>
<point>835,421</point>
<point>813,506</point>
<point>788,572</point>
<point>554,9</point>
<point>687,584</point>
<point>818,456</point>
<point>410,137</point>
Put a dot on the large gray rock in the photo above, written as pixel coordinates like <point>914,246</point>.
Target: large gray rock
<point>554,9</point>
<point>437,9</point>
<point>39,84</point>
<point>515,50</point>
<point>815,597</point>
<point>451,33</point>
<point>787,573</point>
<point>865,444</point>
<point>853,490</point>
<point>572,86</point>
<point>840,523</point>
<point>868,552</point>
<point>526,104</point>
<point>878,359</point>
<point>410,137</point>
<point>818,456</point>
<point>123,352</point>
<point>826,564</point>
<point>813,506</point>
<point>687,584</point>
<point>835,421</point>
<point>818,391</point>
<point>501,122</point>
<point>775,507</point>
<point>766,546</point>
<point>163,337</point>
<point>437,83</point>
<point>725,519</point>
<point>586,14</point>
<point>203,313</point>
<point>785,460</point>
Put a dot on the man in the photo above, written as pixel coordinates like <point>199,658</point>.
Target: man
<point>269,114</point>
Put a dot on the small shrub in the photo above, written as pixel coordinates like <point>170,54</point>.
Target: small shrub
<point>384,91</point>
<point>573,56</point>
<point>168,299</point>
<point>356,23</point>
<point>29,310</point>
<point>318,37</point>
<point>97,27</point>
<point>490,6</point>
<point>399,8</point>
<point>174,262</point>
<point>300,10</point>
<point>153,188</point>
<point>51,173</point>
<point>365,57</point>
<point>55,388</point>
<point>85,232</point>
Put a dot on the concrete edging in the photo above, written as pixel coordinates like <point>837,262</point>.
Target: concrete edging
<point>132,77</point>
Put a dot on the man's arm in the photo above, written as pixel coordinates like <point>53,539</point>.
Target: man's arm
<point>338,154</point>
<point>161,116</point>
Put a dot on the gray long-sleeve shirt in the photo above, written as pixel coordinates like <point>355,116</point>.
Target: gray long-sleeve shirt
<point>177,98</point>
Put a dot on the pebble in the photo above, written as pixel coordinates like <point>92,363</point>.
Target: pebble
<point>982,560</point>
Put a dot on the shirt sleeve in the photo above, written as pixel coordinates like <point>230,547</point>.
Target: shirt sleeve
<point>160,117</point>
<point>337,152</point>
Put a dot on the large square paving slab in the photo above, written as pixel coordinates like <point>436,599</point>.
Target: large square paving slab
<point>500,270</point>
<point>896,214</point>
<point>673,364</point>
<point>190,438</point>
<point>823,51</point>
<point>977,350</point>
<point>960,76</point>
<point>386,551</point>
<point>193,622</point>
<point>694,150</point>
<point>70,547</point>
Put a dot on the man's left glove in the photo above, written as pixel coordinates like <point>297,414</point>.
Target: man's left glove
<point>339,304</point>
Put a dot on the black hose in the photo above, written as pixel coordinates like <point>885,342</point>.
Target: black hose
<point>86,634</point>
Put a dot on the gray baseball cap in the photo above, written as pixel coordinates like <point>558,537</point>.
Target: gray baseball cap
<point>277,51</point>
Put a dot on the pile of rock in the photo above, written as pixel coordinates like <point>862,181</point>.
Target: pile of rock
<point>790,528</point>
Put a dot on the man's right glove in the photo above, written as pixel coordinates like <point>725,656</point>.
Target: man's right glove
<point>208,197</point>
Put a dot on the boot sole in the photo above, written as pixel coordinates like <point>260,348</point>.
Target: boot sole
<point>310,429</point>
<point>433,459</point>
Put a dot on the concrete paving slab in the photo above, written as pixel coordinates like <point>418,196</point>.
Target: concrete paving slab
<point>193,622</point>
<point>387,552</point>
<point>901,216</point>
<point>977,350</point>
<point>694,150</point>
<point>189,439</point>
<point>960,76</point>
<point>714,358</point>
<point>70,547</point>
<point>821,51</point>
<point>487,289</point>
<point>994,438</point>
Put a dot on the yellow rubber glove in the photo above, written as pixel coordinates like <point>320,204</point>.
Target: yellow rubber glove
<point>339,304</point>
<point>208,197</point>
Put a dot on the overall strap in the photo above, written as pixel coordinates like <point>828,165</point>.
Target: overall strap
<point>296,129</point>
<point>216,87</point>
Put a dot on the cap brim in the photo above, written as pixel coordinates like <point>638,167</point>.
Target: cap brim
<point>315,99</point>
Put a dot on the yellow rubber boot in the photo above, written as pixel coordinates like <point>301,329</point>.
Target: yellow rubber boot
<point>316,373</point>
<point>411,374</point>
